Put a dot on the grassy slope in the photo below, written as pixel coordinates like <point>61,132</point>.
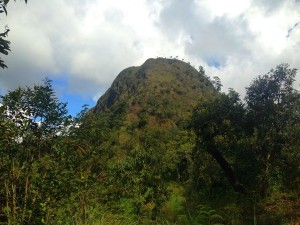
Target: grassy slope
<point>165,88</point>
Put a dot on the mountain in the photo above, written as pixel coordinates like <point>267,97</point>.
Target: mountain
<point>163,90</point>
<point>138,130</point>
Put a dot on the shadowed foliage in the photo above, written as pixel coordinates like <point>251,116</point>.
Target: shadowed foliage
<point>163,145</point>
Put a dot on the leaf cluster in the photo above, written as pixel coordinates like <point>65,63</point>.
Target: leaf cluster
<point>4,44</point>
<point>129,161</point>
<point>255,131</point>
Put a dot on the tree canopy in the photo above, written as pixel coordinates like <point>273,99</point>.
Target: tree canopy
<point>233,162</point>
<point>228,128</point>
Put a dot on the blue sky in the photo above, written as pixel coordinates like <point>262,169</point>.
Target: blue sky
<point>75,101</point>
<point>82,45</point>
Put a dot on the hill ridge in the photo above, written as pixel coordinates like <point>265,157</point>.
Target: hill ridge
<point>157,85</point>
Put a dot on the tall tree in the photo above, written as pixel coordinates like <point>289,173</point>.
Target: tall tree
<point>218,124</point>
<point>272,109</point>
<point>31,120</point>
<point>36,110</point>
<point>260,127</point>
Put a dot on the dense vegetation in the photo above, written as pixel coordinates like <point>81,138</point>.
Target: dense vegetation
<point>162,146</point>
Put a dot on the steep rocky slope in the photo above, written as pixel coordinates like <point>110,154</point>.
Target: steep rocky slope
<point>160,89</point>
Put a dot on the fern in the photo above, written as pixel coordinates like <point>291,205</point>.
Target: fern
<point>204,216</point>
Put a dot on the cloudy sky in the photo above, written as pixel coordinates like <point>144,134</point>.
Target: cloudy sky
<point>82,45</point>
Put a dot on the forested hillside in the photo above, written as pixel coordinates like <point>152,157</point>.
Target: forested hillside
<point>163,145</point>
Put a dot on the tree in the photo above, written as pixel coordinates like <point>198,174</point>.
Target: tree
<point>270,94</point>
<point>216,81</point>
<point>4,44</point>
<point>218,124</point>
<point>263,128</point>
<point>272,109</point>
<point>36,110</point>
<point>201,70</point>
<point>31,121</point>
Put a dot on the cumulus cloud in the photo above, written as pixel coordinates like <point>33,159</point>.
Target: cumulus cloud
<point>89,42</point>
<point>236,40</point>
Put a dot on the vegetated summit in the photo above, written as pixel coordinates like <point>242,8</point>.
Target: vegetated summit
<point>161,91</point>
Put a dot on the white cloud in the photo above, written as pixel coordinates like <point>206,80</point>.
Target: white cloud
<point>244,38</point>
<point>229,8</point>
<point>89,42</point>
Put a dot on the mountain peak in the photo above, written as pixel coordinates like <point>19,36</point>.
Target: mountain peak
<point>165,88</point>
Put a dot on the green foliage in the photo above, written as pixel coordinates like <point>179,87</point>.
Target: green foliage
<point>133,160</point>
<point>140,182</point>
<point>174,207</point>
<point>4,44</point>
<point>217,83</point>
<point>202,215</point>
<point>253,142</point>
<point>218,125</point>
<point>35,110</point>
<point>206,215</point>
<point>30,121</point>
<point>161,88</point>
<point>274,103</point>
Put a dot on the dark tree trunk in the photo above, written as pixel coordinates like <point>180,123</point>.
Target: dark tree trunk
<point>237,187</point>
